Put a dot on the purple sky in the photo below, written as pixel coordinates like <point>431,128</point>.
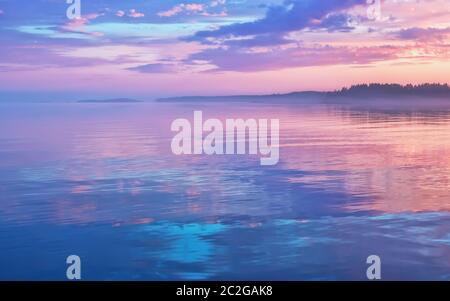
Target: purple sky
<point>140,48</point>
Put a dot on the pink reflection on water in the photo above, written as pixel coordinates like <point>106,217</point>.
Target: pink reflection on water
<point>397,162</point>
<point>400,163</point>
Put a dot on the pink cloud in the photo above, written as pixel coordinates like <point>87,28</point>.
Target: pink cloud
<point>194,8</point>
<point>77,25</point>
<point>215,3</point>
<point>120,13</point>
<point>83,20</point>
<point>135,14</point>
<point>172,12</point>
<point>221,14</point>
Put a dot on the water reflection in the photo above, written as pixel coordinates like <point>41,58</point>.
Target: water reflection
<point>100,180</point>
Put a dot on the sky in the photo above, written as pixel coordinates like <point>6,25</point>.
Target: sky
<point>154,48</point>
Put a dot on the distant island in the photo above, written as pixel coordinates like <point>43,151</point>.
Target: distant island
<point>377,90</point>
<point>113,100</point>
<point>355,92</point>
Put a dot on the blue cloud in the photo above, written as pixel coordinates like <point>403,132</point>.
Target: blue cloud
<point>423,34</point>
<point>293,15</point>
<point>154,68</point>
<point>336,22</point>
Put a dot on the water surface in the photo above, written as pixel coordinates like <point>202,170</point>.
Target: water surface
<point>100,181</point>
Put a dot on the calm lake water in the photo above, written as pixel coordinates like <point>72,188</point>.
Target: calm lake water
<point>100,181</point>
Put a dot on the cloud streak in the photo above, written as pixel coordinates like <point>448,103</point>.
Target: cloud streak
<point>235,59</point>
<point>423,34</point>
